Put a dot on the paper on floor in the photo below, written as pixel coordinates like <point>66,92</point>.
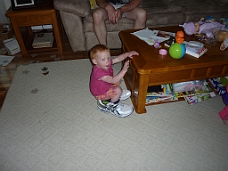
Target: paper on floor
<point>5,60</point>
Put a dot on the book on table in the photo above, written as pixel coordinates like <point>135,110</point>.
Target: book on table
<point>195,48</point>
<point>43,40</point>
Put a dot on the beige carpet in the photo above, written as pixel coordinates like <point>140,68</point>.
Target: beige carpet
<point>51,123</point>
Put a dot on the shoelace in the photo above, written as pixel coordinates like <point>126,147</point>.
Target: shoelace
<point>120,105</point>
<point>111,107</point>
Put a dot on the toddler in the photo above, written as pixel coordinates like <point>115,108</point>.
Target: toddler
<point>104,86</point>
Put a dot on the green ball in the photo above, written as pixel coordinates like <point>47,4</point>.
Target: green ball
<point>176,51</point>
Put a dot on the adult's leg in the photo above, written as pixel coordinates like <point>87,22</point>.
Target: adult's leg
<point>139,15</point>
<point>99,18</point>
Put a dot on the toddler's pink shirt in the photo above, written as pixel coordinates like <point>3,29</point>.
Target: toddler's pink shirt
<point>97,86</point>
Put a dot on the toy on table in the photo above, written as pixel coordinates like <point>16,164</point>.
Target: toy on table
<point>179,37</point>
<point>222,36</point>
<point>224,113</point>
<point>157,45</point>
<point>204,26</point>
<point>170,41</point>
<point>177,50</point>
<point>224,21</point>
<point>208,19</point>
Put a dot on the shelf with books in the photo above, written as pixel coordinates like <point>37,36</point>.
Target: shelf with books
<point>160,94</point>
<point>193,99</point>
<point>192,92</point>
<point>202,93</point>
<point>217,85</point>
<point>28,41</point>
<point>191,87</point>
<point>160,99</point>
<point>43,39</point>
<point>24,19</point>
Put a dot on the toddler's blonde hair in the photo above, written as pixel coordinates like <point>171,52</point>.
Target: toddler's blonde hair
<point>98,48</point>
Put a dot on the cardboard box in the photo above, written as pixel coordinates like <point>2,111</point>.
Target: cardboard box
<point>12,46</point>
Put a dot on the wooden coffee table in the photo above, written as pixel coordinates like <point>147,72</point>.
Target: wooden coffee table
<point>150,68</point>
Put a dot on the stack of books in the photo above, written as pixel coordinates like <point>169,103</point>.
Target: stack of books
<point>43,40</point>
<point>193,99</point>
<point>194,91</point>
<point>161,93</point>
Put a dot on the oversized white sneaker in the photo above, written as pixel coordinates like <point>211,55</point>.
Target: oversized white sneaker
<point>102,106</point>
<point>120,110</point>
<point>125,95</point>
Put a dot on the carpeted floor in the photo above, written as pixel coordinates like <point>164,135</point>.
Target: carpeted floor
<point>49,122</point>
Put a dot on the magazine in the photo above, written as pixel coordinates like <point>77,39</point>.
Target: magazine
<point>193,99</point>
<point>162,90</point>
<point>191,88</point>
<point>153,36</point>
<point>184,93</point>
<point>161,93</point>
<point>156,99</point>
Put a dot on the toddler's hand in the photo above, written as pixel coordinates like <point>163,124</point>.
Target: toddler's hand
<point>126,66</point>
<point>131,53</point>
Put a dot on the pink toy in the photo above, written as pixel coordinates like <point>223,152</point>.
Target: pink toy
<point>162,52</point>
<point>224,113</point>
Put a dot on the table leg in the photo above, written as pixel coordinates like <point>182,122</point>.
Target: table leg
<point>57,33</point>
<point>142,92</point>
<point>29,30</point>
<point>18,36</point>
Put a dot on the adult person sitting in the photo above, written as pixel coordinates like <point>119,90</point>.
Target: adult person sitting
<point>114,10</point>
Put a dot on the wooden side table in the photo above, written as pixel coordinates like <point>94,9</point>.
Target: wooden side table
<point>43,14</point>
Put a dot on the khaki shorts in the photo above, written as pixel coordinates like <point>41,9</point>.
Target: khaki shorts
<point>115,6</point>
<point>118,6</point>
